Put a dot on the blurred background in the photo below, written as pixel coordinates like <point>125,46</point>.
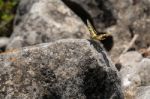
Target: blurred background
<point>7,13</point>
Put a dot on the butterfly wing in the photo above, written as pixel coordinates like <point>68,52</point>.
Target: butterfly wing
<point>94,34</point>
<point>102,36</point>
<point>91,29</point>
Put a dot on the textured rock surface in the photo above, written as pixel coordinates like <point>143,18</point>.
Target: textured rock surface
<point>130,69</point>
<point>134,74</point>
<point>143,92</point>
<point>134,56</point>
<point>66,69</point>
<point>39,21</point>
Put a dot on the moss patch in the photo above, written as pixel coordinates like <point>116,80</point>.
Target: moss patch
<point>7,13</point>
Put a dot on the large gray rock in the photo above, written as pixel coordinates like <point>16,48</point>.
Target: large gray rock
<point>66,69</point>
<point>39,21</point>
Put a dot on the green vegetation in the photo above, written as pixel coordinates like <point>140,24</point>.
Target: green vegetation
<point>7,13</point>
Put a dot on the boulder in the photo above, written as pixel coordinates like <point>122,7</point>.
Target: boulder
<point>40,21</point>
<point>65,69</point>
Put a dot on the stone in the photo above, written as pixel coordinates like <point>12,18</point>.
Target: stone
<point>3,42</point>
<point>144,71</point>
<point>134,56</point>
<point>143,92</point>
<point>129,70</point>
<point>134,73</point>
<point>65,69</point>
<point>41,21</point>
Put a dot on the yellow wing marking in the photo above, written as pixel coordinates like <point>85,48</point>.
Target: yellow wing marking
<point>92,31</point>
<point>94,34</point>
